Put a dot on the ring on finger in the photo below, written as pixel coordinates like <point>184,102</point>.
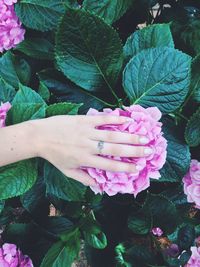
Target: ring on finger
<point>100,146</point>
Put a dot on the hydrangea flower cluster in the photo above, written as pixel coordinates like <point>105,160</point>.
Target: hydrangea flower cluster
<point>3,111</point>
<point>194,260</point>
<point>145,123</point>
<point>192,183</point>
<point>11,32</point>
<point>10,256</point>
<point>157,231</point>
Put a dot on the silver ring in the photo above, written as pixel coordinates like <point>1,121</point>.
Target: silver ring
<point>100,146</point>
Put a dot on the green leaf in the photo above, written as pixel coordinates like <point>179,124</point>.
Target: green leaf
<point>40,15</point>
<point>110,11</point>
<point>27,105</point>
<point>61,186</point>
<point>158,77</point>
<point>192,131</point>
<point>62,109</point>
<point>178,153</point>
<point>88,51</point>
<point>68,91</point>
<point>170,220</point>
<point>176,195</point>
<point>24,112</point>
<point>16,179</point>
<point>140,222</point>
<point>26,95</point>
<point>195,79</point>
<point>93,233</point>
<point>140,256</point>
<point>33,198</point>
<point>43,91</point>
<point>14,70</point>
<point>157,35</point>
<point>63,254</point>
<point>7,92</point>
<point>39,48</point>
<point>2,203</point>
<point>186,236</point>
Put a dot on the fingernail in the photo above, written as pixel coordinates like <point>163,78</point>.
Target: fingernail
<point>148,151</point>
<point>144,140</point>
<point>129,119</point>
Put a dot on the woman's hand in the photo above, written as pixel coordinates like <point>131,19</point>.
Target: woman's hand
<point>71,142</point>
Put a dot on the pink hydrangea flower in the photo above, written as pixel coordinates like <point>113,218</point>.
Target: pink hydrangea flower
<point>11,256</point>
<point>145,123</point>
<point>3,111</point>
<point>11,32</point>
<point>157,231</point>
<point>194,260</point>
<point>192,183</point>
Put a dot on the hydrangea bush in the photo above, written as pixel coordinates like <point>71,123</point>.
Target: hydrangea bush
<point>113,56</point>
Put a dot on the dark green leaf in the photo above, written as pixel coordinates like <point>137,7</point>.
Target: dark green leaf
<point>40,15</point>
<point>2,203</point>
<point>16,179</point>
<point>61,186</point>
<point>26,95</point>
<point>186,236</point>
<point>178,153</point>
<point>88,51</point>
<point>158,77</point>
<point>167,222</point>
<point>14,70</point>
<point>140,222</point>
<point>93,233</point>
<point>43,91</point>
<point>7,92</point>
<point>110,11</point>
<point>39,48</point>
<point>195,80</point>
<point>62,254</point>
<point>139,256</point>
<point>192,131</point>
<point>67,91</point>
<point>33,199</point>
<point>157,35</point>
<point>62,109</point>
<point>176,195</point>
<point>27,105</point>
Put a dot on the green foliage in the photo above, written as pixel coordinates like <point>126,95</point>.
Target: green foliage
<point>39,48</point>
<point>110,11</point>
<point>157,35</point>
<point>147,83</point>
<point>192,131</point>
<point>17,70</point>
<point>91,54</point>
<point>87,64</point>
<point>41,15</point>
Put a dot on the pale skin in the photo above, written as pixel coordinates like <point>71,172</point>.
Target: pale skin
<point>69,142</point>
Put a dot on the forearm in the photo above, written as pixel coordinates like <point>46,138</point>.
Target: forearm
<point>17,142</point>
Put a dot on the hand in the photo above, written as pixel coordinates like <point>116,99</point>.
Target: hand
<point>71,142</point>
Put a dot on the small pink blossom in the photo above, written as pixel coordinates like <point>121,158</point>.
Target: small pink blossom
<point>146,124</point>
<point>11,32</point>
<point>11,256</point>
<point>192,183</point>
<point>157,231</point>
<point>194,260</point>
<point>3,112</point>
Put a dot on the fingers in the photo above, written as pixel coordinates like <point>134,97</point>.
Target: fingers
<point>121,150</point>
<point>80,176</point>
<point>111,165</point>
<point>118,137</point>
<point>102,119</point>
